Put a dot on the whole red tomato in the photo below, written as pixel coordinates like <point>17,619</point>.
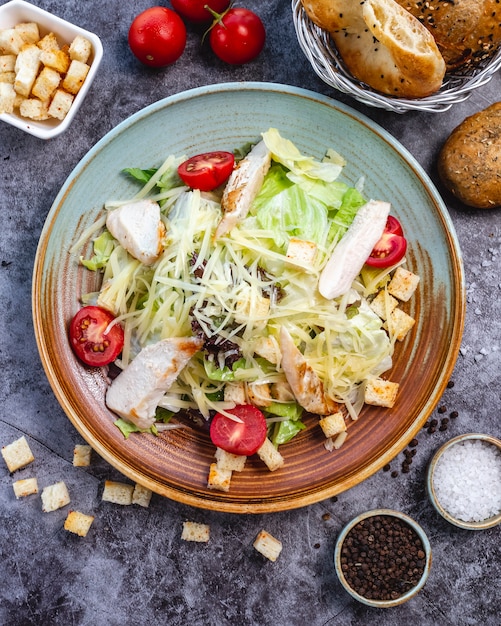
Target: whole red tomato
<point>195,11</point>
<point>157,36</point>
<point>238,36</point>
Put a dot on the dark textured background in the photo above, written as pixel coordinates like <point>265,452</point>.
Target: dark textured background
<point>133,568</point>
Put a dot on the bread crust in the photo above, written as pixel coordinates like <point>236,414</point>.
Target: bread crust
<point>466,31</point>
<point>382,45</point>
<point>469,163</point>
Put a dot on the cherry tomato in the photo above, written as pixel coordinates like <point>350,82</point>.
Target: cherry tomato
<point>157,36</point>
<point>391,248</point>
<point>195,11</point>
<point>238,36</point>
<point>89,339</point>
<point>242,438</point>
<point>206,171</point>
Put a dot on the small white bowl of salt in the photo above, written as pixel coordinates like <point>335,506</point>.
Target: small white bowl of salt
<point>464,481</point>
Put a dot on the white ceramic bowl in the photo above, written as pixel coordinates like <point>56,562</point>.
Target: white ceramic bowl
<point>430,483</point>
<point>18,11</point>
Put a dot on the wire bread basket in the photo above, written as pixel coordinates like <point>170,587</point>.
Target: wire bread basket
<point>321,52</point>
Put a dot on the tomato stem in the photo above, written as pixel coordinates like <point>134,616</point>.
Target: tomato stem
<point>218,18</point>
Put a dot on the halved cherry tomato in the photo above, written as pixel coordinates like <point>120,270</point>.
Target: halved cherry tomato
<point>391,248</point>
<point>89,339</point>
<point>238,36</point>
<point>242,438</point>
<point>195,11</point>
<point>157,36</point>
<point>207,171</point>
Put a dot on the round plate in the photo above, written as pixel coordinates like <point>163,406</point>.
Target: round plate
<point>176,463</point>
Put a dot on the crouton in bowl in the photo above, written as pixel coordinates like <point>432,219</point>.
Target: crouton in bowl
<point>47,66</point>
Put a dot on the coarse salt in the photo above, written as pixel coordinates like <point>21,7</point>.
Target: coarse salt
<point>467,480</point>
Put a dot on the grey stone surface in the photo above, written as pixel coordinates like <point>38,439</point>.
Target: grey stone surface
<point>133,568</point>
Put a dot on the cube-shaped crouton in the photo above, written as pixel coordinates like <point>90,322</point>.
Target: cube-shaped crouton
<point>81,455</point>
<point>11,41</point>
<point>7,77</point>
<point>57,60</point>
<point>34,109</point>
<point>301,252</point>
<point>259,394</point>
<point>400,324</point>
<point>80,49</point>
<point>228,461</point>
<point>332,425</point>
<point>379,392</point>
<point>403,284</point>
<point>270,456</point>
<point>267,545</point>
<point>141,495</point>
<point>252,307</point>
<point>7,98</point>
<point>61,104</point>
<point>27,66</point>
<point>54,497</point>
<point>17,454</point>
<point>78,523</point>
<point>193,531</point>
<point>383,304</point>
<point>7,62</point>
<point>75,76</point>
<point>48,42</point>
<point>269,349</point>
<point>46,83</point>
<point>28,31</point>
<point>219,479</point>
<point>117,492</point>
<point>235,392</point>
<point>281,392</point>
<point>25,487</point>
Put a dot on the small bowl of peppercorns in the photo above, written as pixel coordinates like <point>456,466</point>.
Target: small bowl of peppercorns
<point>382,558</point>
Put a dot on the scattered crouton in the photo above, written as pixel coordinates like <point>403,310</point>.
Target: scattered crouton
<point>25,487</point>
<point>75,76</point>
<point>117,492</point>
<point>141,495</point>
<point>399,324</point>
<point>300,251</point>
<point>17,454</point>
<point>81,455</point>
<point>235,392</point>
<point>383,304</point>
<point>193,531</point>
<point>78,523</point>
<point>379,392</point>
<point>259,394</point>
<point>403,284</point>
<point>270,456</point>
<point>219,479</point>
<point>80,49</point>
<point>269,349</point>
<point>228,461</point>
<point>333,424</point>
<point>267,545</point>
<point>54,497</point>
<point>7,98</point>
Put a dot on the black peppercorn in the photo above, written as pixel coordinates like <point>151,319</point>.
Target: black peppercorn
<point>387,569</point>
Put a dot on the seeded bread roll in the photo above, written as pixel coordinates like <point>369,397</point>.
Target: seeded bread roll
<point>466,31</point>
<point>382,45</point>
<point>469,163</point>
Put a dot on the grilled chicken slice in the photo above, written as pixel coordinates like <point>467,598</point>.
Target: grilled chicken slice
<point>242,187</point>
<point>139,229</point>
<point>137,390</point>
<point>354,249</point>
<point>305,383</point>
